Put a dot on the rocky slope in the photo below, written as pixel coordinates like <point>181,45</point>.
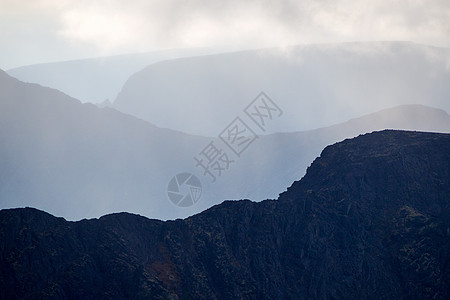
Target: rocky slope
<point>370,220</point>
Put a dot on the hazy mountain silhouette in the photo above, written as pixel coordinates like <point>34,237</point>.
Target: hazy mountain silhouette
<point>314,85</point>
<point>370,220</point>
<point>97,79</point>
<point>77,160</point>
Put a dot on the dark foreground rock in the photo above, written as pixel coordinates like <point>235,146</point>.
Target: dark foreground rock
<point>370,220</point>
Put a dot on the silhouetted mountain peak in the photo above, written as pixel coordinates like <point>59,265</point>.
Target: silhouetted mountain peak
<point>386,163</point>
<point>369,220</point>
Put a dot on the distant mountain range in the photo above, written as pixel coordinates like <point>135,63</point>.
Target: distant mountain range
<point>96,80</point>
<point>314,85</point>
<point>370,220</point>
<point>198,91</point>
<point>78,161</point>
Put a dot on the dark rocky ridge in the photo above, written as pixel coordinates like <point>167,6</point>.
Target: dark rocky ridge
<point>370,220</point>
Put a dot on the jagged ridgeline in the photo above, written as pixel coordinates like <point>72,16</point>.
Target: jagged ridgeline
<point>370,220</point>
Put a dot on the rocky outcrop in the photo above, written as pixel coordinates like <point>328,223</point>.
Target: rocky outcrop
<point>370,220</point>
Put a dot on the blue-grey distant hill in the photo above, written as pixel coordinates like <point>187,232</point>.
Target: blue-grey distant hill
<point>79,161</point>
<point>96,80</point>
<point>314,85</point>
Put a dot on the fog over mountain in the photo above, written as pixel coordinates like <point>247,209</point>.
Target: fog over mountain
<point>79,161</point>
<point>314,85</point>
<point>98,79</point>
<point>209,149</point>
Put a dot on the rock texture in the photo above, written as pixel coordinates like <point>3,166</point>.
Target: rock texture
<point>370,220</point>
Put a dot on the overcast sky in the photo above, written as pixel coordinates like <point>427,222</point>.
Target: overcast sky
<point>36,31</point>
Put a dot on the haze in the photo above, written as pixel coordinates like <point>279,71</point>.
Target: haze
<point>103,103</point>
<point>53,30</point>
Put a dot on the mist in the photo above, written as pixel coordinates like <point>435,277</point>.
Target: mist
<point>104,104</point>
<point>47,31</point>
<point>206,149</point>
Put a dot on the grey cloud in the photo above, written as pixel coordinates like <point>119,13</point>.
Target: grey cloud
<point>154,25</point>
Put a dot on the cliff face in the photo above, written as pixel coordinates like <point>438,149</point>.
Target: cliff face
<point>370,220</point>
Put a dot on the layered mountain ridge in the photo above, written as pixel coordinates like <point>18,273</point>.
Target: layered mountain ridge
<point>370,219</point>
<point>314,85</point>
<point>97,79</point>
<point>79,161</point>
